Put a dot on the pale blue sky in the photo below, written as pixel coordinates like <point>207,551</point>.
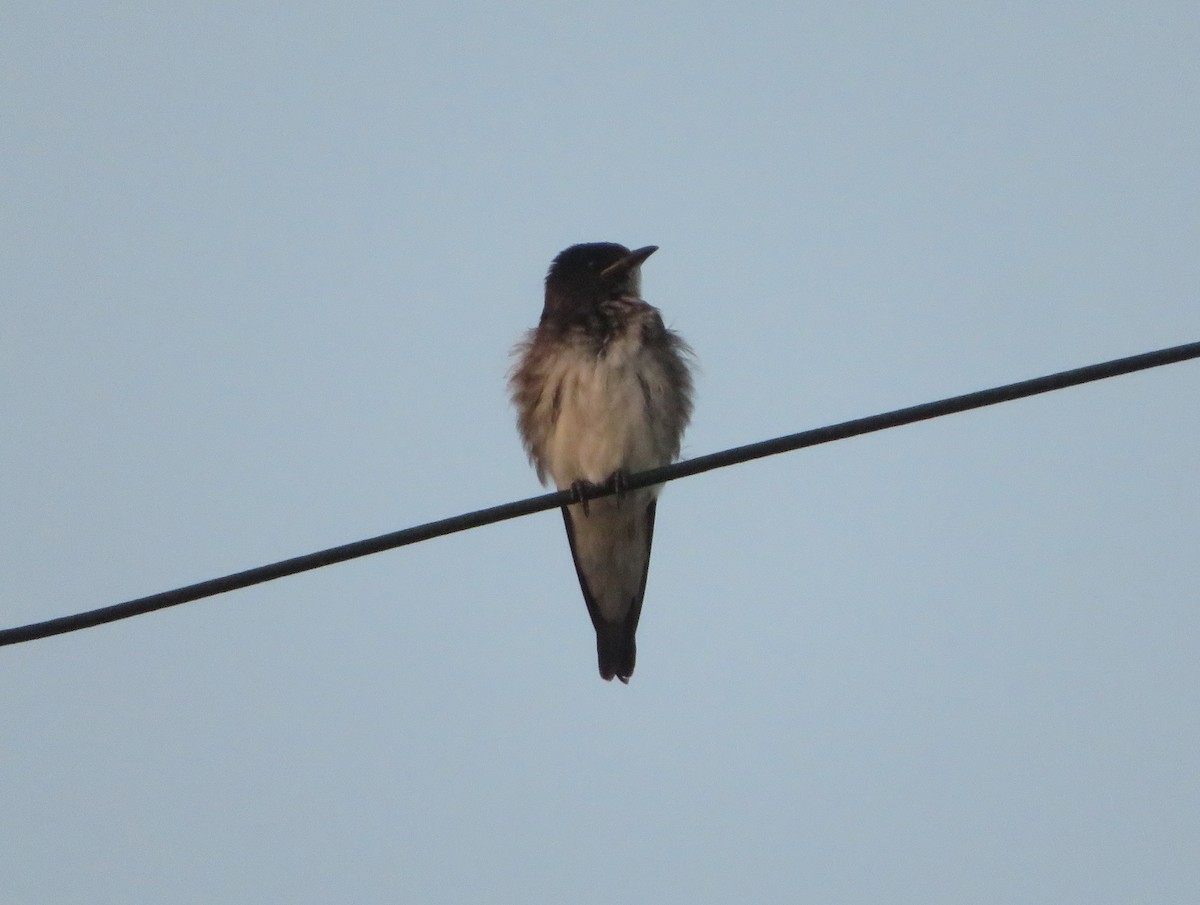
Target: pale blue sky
<point>261,266</point>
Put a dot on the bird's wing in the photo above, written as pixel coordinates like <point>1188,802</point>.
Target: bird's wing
<point>611,550</point>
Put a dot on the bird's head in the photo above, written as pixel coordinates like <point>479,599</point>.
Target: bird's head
<point>585,275</point>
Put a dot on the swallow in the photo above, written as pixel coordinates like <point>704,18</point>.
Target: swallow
<point>603,390</point>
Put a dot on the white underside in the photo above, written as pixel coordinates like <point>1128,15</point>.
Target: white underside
<point>611,546</point>
<point>605,421</point>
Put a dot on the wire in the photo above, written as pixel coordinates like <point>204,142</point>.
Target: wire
<point>828,434</point>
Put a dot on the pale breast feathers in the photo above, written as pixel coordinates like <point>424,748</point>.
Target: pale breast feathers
<point>588,409</point>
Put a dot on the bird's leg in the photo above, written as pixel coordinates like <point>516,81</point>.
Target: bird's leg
<point>616,481</point>
<point>577,491</point>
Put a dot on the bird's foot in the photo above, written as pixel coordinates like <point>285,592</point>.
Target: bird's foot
<point>616,483</point>
<point>578,489</point>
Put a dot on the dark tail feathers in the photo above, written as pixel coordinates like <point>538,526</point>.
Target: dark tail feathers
<point>616,650</point>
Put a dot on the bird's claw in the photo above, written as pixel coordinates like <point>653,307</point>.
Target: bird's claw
<point>616,481</point>
<point>578,488</point>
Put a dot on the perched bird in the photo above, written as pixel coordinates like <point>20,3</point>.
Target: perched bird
<point>603,390</point>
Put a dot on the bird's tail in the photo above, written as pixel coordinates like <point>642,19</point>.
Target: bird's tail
<point>616,649</point>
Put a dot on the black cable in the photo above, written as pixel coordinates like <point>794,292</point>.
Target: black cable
<point>954,404</point>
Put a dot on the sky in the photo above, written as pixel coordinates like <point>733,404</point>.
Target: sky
<point>261,269</point>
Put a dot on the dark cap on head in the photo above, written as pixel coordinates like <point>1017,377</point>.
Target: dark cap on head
<point>592,272</point>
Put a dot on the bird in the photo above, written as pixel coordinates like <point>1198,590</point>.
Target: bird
<point>603,389</point>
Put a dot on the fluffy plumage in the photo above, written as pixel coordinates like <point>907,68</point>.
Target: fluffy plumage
<point>602,388</point>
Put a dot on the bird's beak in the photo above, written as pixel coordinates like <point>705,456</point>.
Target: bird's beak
<point>629,262</point>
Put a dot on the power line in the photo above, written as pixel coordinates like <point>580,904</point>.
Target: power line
<point>828,434</point>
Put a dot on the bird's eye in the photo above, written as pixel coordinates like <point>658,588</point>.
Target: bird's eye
<point>591,264</point>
